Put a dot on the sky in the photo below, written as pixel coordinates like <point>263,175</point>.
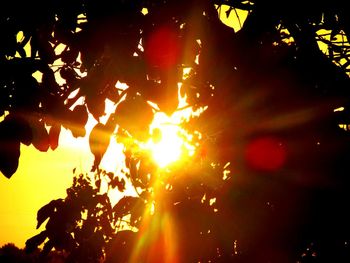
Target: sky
<point>44,176</point>
<point>40,178</point>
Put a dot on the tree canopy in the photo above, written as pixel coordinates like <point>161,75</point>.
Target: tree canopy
<point>268,181</point>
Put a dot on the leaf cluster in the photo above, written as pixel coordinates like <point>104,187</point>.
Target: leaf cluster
<point>105,42</point>
<point>81,224</point>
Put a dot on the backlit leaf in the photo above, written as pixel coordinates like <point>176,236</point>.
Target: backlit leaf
<point>98,141</point>
<point>54,135</point>
<point>35,241</point>
<point>77,120</point>
<point>41,140</point>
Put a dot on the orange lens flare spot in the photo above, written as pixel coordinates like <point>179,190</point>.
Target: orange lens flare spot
<point>162,48</point>
<point>266,154</point>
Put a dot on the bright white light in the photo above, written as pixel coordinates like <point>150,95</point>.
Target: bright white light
<point>169,141</point>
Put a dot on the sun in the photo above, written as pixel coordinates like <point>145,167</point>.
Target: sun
<point>166,145</point>
<point>169,142</point>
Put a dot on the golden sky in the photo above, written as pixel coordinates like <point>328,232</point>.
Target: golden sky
<point>40,178</point>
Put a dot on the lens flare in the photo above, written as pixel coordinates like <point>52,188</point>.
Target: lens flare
<point>266,154</point>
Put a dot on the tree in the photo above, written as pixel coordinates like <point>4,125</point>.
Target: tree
<point>9,253</point>
<point>268,182</point>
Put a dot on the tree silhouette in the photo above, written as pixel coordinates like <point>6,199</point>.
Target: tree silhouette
<point>9,253</point>
<point>269,181</point>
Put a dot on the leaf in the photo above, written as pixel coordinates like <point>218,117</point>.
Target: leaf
<point>10,134</point>
<point>99,141</point>
<point>96,105</point>
<point>77,120</point>
<point>17,126</point>
<point>128,205</point>
<point>41,139</point>
<point>110,175</point>
<point>68,74</point>
<point>9,157</point>
<point>115,182</point>
<point>48,246</point>
<point>49,80</point>
<point>35,241</point>
<point>98,183</point>
<point>54,135</point>
<point>26,135</point>
<point>47,211</point>
<point>46,51</point>
<point>24,131</point>
<point>135,115</point>
<point>26,92</point>
<point>69,56</point>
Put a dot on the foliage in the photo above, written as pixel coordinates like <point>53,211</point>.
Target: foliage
<point>89,228</point>
<point>78,224</point>
<point>271,95</point>
<point>111,42</point>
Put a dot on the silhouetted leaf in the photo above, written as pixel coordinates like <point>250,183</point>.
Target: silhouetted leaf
<point>76,120</point>
<point>135,115</point>
<point>12,130</point>
<point>98,141</point>
<point>48,246</point>
<point>129,205</point>
<point>46,51</point>
<point>19,127</point>
<point>49,81</point>
<point>35,241</point>
<point>95,104</point>
<point>9,156</point>
<point>98,184</point>
<point>69,75</point>
<point>116,182</point>
<point>41,140</point>
<point>69,56</point>
<point>54,135</point>
<point>47,211</point>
